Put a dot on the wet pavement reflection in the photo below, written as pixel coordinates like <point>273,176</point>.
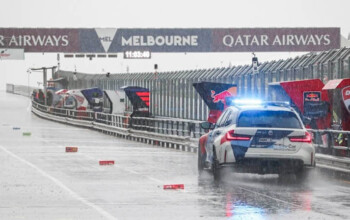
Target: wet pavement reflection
<point>252,196</point>
<point>39,180</point>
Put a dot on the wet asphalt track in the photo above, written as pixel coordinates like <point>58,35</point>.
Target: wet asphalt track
<point>39,180</point>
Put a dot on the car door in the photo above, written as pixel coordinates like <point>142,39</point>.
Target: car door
<point>220,128</point>
<point>213,134</point>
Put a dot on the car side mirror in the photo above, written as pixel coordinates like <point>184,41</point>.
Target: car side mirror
<point>207,125</point>
<point>306,120</point>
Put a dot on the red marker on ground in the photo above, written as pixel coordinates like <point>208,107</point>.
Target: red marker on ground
<point>71,149</point>
<point>174,186</point>
<point>106,162</point>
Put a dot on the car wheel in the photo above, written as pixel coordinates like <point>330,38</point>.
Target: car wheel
<point>216,166</point>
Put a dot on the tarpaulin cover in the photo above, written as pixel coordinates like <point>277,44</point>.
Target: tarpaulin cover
<point>92,93</point>
<point>336,84</point>
<point>214,94</point>
<point>138,96</point>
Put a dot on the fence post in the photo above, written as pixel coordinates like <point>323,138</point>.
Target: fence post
<point>172,127</point>
<point>189,128</point>
<point>348,145</point>
<point>177,128</point>
<point>183,128</point>
<point>167,127</point>
<point>330,143</point>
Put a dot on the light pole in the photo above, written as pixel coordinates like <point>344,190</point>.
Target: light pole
<point>255,72</point>
<point>28,72</point>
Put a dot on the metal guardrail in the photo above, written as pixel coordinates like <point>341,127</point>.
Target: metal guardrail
<point>148,130</point>
<point>332,150</point>
<point>75,114</point>
<point>166,126</point>
<point>332,142</point>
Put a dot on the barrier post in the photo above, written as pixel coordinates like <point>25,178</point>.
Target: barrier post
<point>177,128</point>
<point>348,145</point>
<point>183,128</point>
<point>172,127</point>
<point>330,143</point>
<point>189,128</point>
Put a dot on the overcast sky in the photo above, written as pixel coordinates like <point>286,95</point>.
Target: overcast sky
<point>161,14</point>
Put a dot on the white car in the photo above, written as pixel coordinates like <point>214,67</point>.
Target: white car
<point>263,138</point>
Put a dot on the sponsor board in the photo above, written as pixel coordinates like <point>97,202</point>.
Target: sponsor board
<point>312,96</point>
<point>275,39</point>
<point>162,40</point>
<point>346,97</point>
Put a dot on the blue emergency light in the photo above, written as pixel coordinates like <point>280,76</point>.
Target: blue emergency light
<point>232,101</point>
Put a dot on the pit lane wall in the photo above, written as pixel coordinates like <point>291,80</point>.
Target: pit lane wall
<point>181,134</point>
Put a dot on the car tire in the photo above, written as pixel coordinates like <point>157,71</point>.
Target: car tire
<point>216,167</point>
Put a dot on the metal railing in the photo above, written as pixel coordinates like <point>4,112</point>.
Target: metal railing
<point>162,132</point>
<point>169,126</point>
<point>75,114</point>
<point>165,126</point>
<point>332,142</point>
<point>119,121</point>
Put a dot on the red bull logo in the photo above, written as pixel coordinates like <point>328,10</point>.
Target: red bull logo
<point>312,95</point>
<point>220,97</point>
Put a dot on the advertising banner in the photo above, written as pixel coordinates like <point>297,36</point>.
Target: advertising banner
<point>312,96</point>
<point>40,40</point>
<point>275,39</point>
<point>162,40</point>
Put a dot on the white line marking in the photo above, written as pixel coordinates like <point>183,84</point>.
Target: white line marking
<point>60,184</point>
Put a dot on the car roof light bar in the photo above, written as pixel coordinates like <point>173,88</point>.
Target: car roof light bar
<point>278,103</point>
<point>247,102</point>
<point>256,102</point>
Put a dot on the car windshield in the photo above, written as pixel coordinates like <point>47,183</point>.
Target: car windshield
<point>270,119</point>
